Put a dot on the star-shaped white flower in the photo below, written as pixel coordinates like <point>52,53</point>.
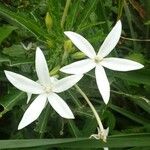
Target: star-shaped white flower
<point>98,61</point>
<point>46,87</point>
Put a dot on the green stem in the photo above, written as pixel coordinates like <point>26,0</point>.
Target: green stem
<point>64,57</point>
<point>65,13</point>
<point>43,122</point>
<point>104,15</point>
<point>129,19</point>
<point>75,99</point>
<point>92,108</point>
<point>120,8</point>
<point>137,40</point>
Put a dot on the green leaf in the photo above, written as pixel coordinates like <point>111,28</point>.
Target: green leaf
<point>125,140</point>
<point>42,121</point>
<point>74,129</point>
<point>14,51</point>
<point>25,22</point>
<point>73,14</point>
<point>90,126</point>
<point>15,62</point>
<point>5,31</point>
<point>20,61</point>
<point>10,100</point>
<point>4,59</point>
<point>130,115</point>
<point>139,100</point>
<point>140,76</point>
<point>88,8</point>
<point>110,119</point>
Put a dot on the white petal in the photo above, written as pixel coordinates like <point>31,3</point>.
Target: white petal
<point>66,83</point>
<point>60,106</point>
<point>53,79</point>
<point>106,132</point>
<point>111,40</point>
<point>23,83</point>
<point>41,67</point>
<point>79,67</point>
<point>81,43</point>
<point>33,111</point>
<point>119,64</point>
<point>102,83</point>
<point>105,135</point>
<point>29,95</point>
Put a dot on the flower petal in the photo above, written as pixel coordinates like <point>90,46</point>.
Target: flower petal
<point>42,68</point>
<point>102,83</point>
<point>119,64</point>
<point>23,83</point>
<point>29,95</point>
<point>81,43</point>
<point>60,106</point>
<point>66,83</point>
<point>79,67</point>
<point>106,132</point>
<point>111,40</point>
<point>33,111</point>
<point>53,79</point>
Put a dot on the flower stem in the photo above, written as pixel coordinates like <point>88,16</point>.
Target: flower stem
<point>65,13</point>
<point>137,40</point>
<point>92,108</point>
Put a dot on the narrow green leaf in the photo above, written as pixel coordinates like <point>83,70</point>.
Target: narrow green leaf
<point>73,14</point>
<point>127,140</point>
<point>42,121</point>
<point>130,115</point>
<point>140,76</point>
<point>120,8</point>
<point>130,19</point>
<point>74,129</point>
<point>89,126</point>
<point>139,100</point>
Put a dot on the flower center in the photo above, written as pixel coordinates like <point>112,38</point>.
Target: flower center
<point>48,89</point>
<point>98,59</point>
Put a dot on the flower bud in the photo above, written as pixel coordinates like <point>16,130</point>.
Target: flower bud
<point>68,46</point>
<point>48,21</point>
<point>78,55</point>
<point>54,71</point>
<point>49,43</point>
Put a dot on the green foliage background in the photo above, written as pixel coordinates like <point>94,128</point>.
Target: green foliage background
<point>127,114</point>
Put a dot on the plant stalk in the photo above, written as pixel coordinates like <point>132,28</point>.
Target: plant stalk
<point>65,13</point>
<point>92,108</point>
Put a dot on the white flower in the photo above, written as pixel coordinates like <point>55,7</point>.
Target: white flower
<point>98,61</point>
<point>46,87</point>
<point>102,134</point>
